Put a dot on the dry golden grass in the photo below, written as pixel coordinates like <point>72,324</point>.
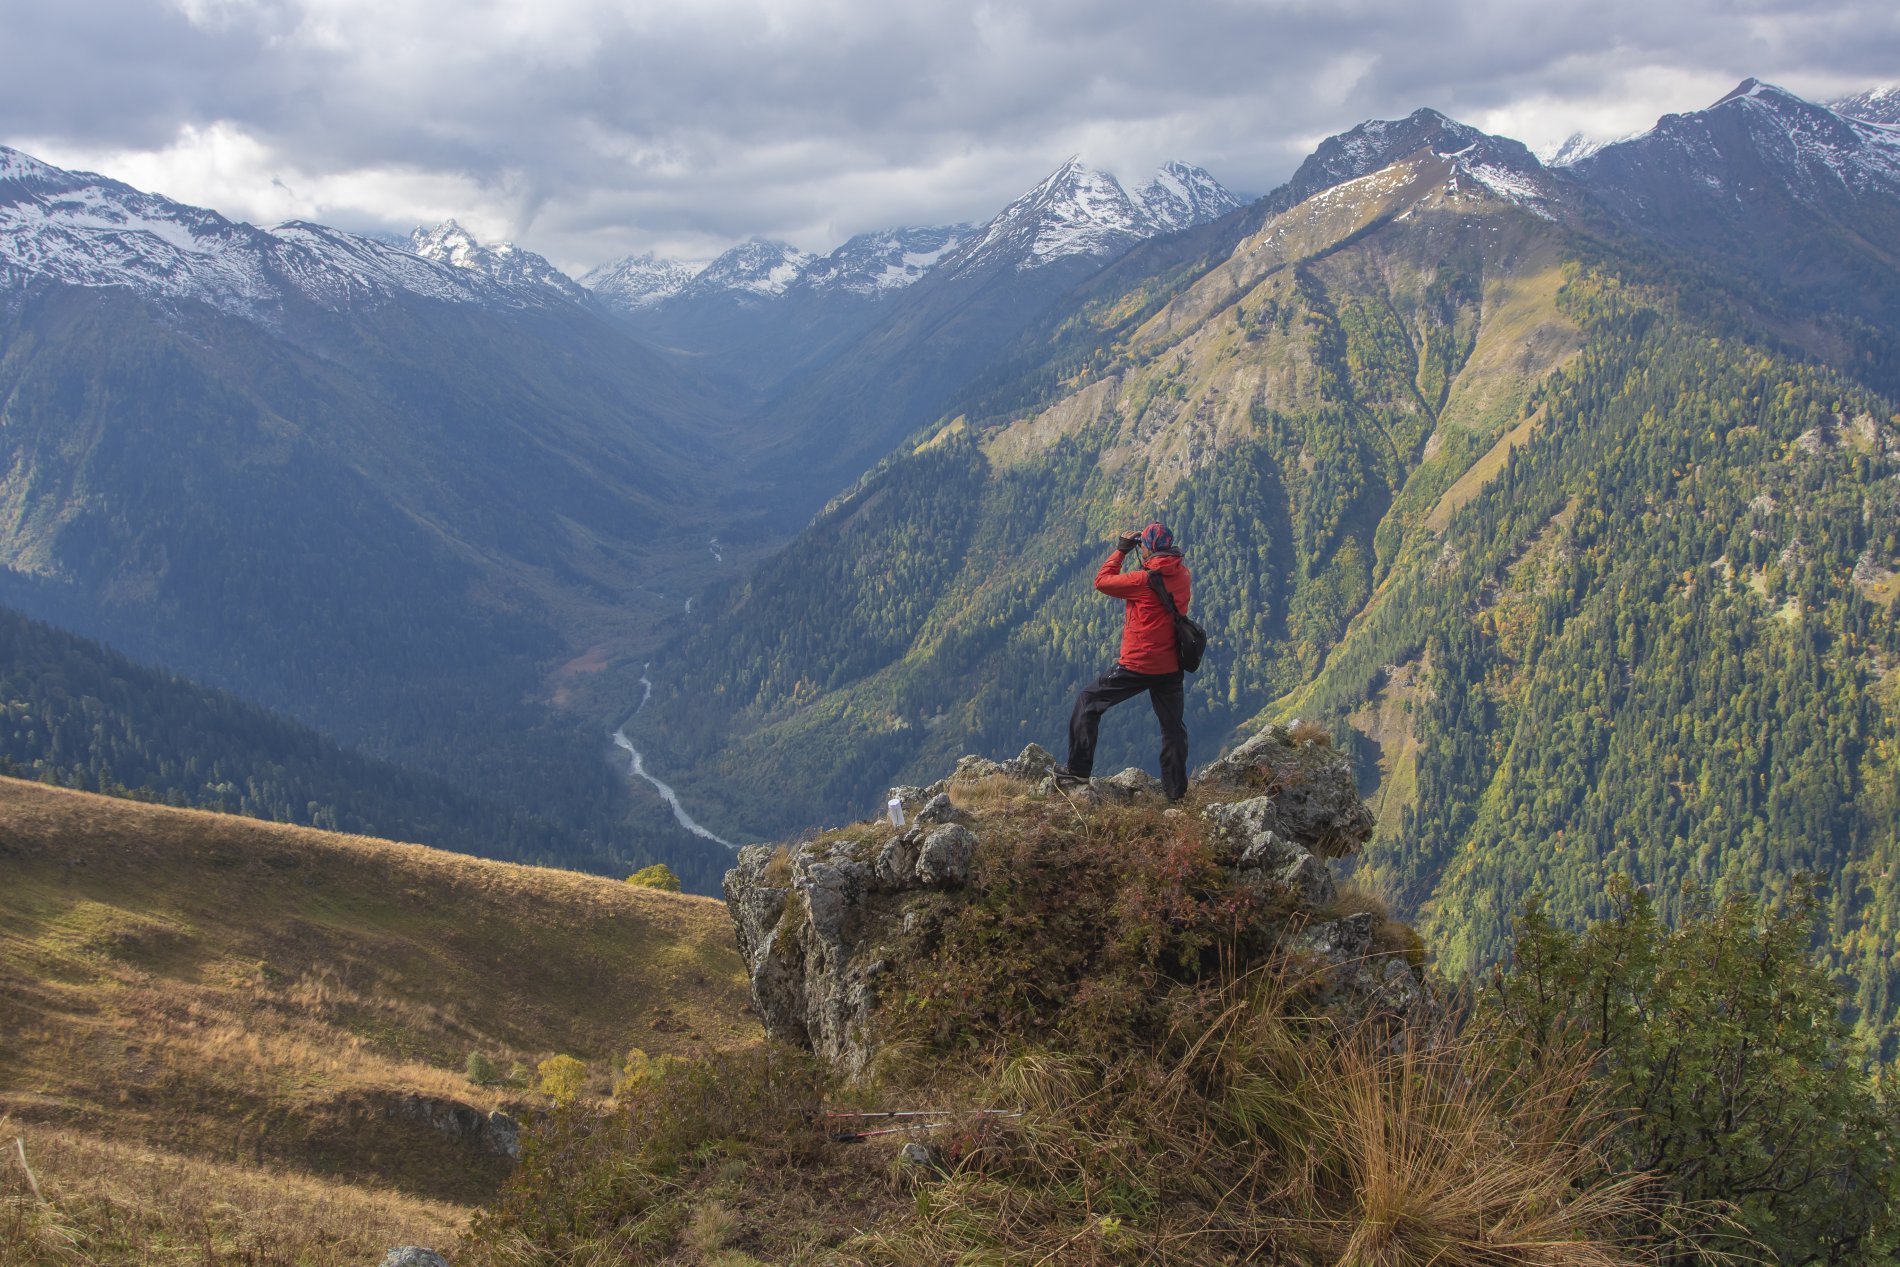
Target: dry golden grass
<point>110,1203</point>
<point>244,992</point>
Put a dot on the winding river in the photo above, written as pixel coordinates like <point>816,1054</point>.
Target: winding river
<point>638,769</point>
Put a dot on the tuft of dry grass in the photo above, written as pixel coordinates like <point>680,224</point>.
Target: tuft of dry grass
<point>1305,731</point>
<point>1430,1163</point>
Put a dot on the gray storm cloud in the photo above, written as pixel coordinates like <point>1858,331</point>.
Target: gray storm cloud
<point>586,129</point>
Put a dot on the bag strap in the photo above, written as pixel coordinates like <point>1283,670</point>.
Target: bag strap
<point>1161,587</point>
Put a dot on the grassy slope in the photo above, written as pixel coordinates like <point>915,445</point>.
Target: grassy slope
<point>235,992</point>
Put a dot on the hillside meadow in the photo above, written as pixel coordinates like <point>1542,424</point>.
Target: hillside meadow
<point>228,1040</point>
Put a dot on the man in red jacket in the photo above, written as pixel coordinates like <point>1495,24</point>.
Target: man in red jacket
<point>1148,658</point>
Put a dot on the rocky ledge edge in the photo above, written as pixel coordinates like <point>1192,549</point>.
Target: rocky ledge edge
<point>816,921</point>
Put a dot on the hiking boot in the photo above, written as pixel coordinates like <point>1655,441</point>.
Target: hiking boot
<point>1067,778</point>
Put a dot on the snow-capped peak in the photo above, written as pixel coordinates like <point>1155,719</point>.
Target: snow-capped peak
<point>639,281</point>
<point>760,267</point>
<point>449,243</point>
<point>1753,137</point>
<point>1081,210</point>
<point>884,260</point>
<point>1181,195</point>
<point>1876,105</point>
<point>80,229</point>
<point>1575,148</point>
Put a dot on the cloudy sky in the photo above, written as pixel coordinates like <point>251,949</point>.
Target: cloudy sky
<point>589,129</point>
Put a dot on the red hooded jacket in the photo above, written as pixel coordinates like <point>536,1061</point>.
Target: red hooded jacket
<point>1147,629</point>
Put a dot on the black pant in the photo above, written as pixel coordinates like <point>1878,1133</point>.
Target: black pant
<point>1164,692</point>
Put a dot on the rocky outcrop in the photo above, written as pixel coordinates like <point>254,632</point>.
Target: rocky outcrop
<point>496,1132</point>
<point>823,924</point>
<point>1314,799</point>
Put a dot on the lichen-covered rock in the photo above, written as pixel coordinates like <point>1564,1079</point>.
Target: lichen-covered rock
<point>813,922</point>
<point>1362,986</point>
<point>973,769</point>
<point>824,925</point>
<point>495,1132</point>
<point>938,810</point>
<point>1030,765</point>
<point>1130,784</point>
<point>1315,801</point>
<point>1246,836</point>
<point>944,861</point>
<point>896,865</point>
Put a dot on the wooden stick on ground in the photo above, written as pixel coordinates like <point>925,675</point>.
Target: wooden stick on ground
<point>19,1146</point>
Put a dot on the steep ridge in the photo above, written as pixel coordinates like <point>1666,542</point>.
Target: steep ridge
<point>1876,105</point>
<point>1464,462</point>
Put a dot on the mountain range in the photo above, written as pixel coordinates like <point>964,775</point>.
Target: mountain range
<point>1474,454</point>
<point>1562,493</point>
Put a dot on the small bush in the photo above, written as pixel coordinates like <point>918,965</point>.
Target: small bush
<point>563,1078</point>
<point>658,876</point>
<point>480,1069</point>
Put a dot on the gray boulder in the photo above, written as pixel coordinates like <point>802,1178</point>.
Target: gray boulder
<point>938,810</point>
<point>896,865</point>
<point>944,861</point>
<point>1364,988</point>
<point>816,927</point>
<point>1246,836</point>
<point>1315,801</point>
<point>1031,765</point>
<point>413,1256</point>
<point>974,769</point>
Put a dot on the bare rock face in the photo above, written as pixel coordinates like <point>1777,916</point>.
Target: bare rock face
<point>821,925</point>
<point>1314,800</point>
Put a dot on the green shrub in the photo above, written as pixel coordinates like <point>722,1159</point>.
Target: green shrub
<point>1720,1048</point>
<point>657,876</point>
<point>480,1069</point>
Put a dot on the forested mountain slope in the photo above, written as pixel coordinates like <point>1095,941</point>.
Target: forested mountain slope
<point>1274,408</point>
<point>75,714</point>
<point>1588,548</point>
<point>388,524</point>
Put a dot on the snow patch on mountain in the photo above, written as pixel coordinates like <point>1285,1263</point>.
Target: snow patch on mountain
<point>762,268</point>
<point>884,261</point>
<point>82,229</point>
<point>1876,105</point>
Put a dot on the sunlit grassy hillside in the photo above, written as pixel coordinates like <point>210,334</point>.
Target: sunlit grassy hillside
<point>239,994</point>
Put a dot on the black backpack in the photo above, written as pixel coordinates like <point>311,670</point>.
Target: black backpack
<point>1190,640</point>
